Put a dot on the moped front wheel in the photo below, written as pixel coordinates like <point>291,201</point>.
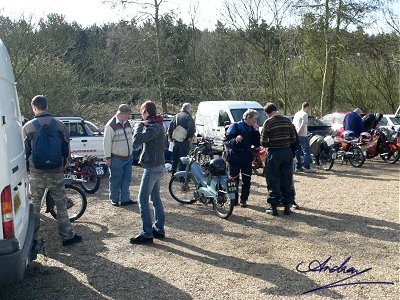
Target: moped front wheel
<point>223,206</point>
<point>393,154</point>
<point>91,181</point>
<point>327,159</point>
<point>76,203</point>
<point>357,158</point>
<point>182,190</point>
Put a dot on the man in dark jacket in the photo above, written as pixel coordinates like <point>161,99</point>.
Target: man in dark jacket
<point>181,146</point>
<point>53,178</point>
<point>240,137</point>
<point>151,134</point>
<point>353,122</point>
<point>371,121</point>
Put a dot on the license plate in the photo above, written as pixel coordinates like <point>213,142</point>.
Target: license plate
<point>17,203</point>
<point>232,187</point>
<point>99,171</point>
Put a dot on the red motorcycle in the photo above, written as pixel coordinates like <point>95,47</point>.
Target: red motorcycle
<point>85,171</point>
<point>258,164</point>
<point>376,144</point>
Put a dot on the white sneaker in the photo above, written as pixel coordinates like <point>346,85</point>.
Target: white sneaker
<point>310,170</point>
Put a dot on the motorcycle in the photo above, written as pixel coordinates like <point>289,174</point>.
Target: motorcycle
<point>348,150</point>
<point>376,144</point>
<point>258,164</point>
<point>214,186</point>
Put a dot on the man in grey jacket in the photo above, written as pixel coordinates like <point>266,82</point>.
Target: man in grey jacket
<point>182,148</point>
<point>151,134</point>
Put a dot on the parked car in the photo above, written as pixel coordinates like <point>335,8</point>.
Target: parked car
<point>315,126</point>
<point>135,119</point>
<point>335,120</point>
<point>16,212</point>
<point>85,137</point>
<point>389,121</point>
<point>212,117</point>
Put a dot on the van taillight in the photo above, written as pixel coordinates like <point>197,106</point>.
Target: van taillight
<point>7,213</point>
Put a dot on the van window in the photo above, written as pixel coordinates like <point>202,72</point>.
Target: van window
<point>222,118</point>
<point>238,114</point>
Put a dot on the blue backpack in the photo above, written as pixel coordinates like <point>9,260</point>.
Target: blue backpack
<point>46,146</point>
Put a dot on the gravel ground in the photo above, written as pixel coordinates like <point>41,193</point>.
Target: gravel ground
<point>347,212</point>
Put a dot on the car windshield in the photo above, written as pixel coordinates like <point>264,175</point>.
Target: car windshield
<point>395,121</point>
<point>312,121</point>
<point>238,114</point>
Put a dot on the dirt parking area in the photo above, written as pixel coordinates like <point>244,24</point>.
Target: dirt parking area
<point>349,218</point>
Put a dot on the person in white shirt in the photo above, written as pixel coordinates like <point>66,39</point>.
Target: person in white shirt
<point>300,122</point>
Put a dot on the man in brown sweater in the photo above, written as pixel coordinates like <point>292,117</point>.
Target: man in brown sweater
<point>278,135</point>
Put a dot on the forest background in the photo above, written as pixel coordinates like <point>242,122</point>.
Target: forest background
<point>328,58</point>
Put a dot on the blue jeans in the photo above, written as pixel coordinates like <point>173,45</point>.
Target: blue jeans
<point>120,179</point>
<point>150,190</point>
<point>305,148</point>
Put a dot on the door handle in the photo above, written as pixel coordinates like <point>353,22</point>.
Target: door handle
<point>84,141</point>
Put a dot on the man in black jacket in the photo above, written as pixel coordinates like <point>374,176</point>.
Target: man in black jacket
<point>182,144</point>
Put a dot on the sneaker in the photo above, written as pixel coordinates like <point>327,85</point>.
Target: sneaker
<point>243,204</point>
<point>158,235</point>
<point>310,170</point>
<point>286,211</point>
<point>295,206</point>
<point>272,210</point>
<point>114,203</point>
<point>74,240</point>
<point>129,202</point>
<point>140,239</point>
<point>299,169</point>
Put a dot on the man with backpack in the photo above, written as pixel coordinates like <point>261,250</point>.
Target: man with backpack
<point>240,138</point>
<point>47,149</point>
<point>181,131</point>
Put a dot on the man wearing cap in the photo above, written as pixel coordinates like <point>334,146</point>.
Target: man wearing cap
<point>353,122</point>
<point>182,146</point>
<point>118,152</point>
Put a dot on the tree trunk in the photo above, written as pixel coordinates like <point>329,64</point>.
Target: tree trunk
<point>327,59</point>
<point>160,57</point>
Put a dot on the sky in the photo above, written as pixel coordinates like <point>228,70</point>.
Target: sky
<point>88,12</point>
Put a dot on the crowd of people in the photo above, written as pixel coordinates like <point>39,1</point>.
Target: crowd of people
<point>285,142</point>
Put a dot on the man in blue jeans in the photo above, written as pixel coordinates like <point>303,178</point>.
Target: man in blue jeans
<point>300,122</point>
<point>118,152</point>
<point>151,134</point>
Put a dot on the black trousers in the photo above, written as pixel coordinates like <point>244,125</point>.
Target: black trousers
<point>279,174</point>
<point>235,168</point>
<point>180,149</point>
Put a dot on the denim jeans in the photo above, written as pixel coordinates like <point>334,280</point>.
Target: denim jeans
<point>150,190</point>
<point>120,179</point>
<point>180,149</point>
<point>279,166</point>
<point>305,148</point>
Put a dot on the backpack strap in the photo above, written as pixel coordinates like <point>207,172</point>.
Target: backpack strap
<point>37,124</point>
<point>53,123</point>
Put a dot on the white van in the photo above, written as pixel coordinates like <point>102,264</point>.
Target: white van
<point>211,117</point>
<point>16,213</point>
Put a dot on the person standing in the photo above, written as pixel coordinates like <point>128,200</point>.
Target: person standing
<point>278,136</point>
<point>47,150</point>
<point>118,149</point>
<point>182,122</point>
<point>151,134</point>
<point>240,138</point>
<point>353,122</point>
<point>300,122</point>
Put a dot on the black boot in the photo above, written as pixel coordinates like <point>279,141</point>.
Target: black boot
<point>286,211</point>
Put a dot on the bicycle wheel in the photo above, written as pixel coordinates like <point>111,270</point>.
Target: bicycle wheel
<point>393,154</point>
<point>91,182</point>
<point>182,191</point>
<point>223,206</point>
<point>357,159</point>
<point>76,203</point>
<point>326,160</point>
